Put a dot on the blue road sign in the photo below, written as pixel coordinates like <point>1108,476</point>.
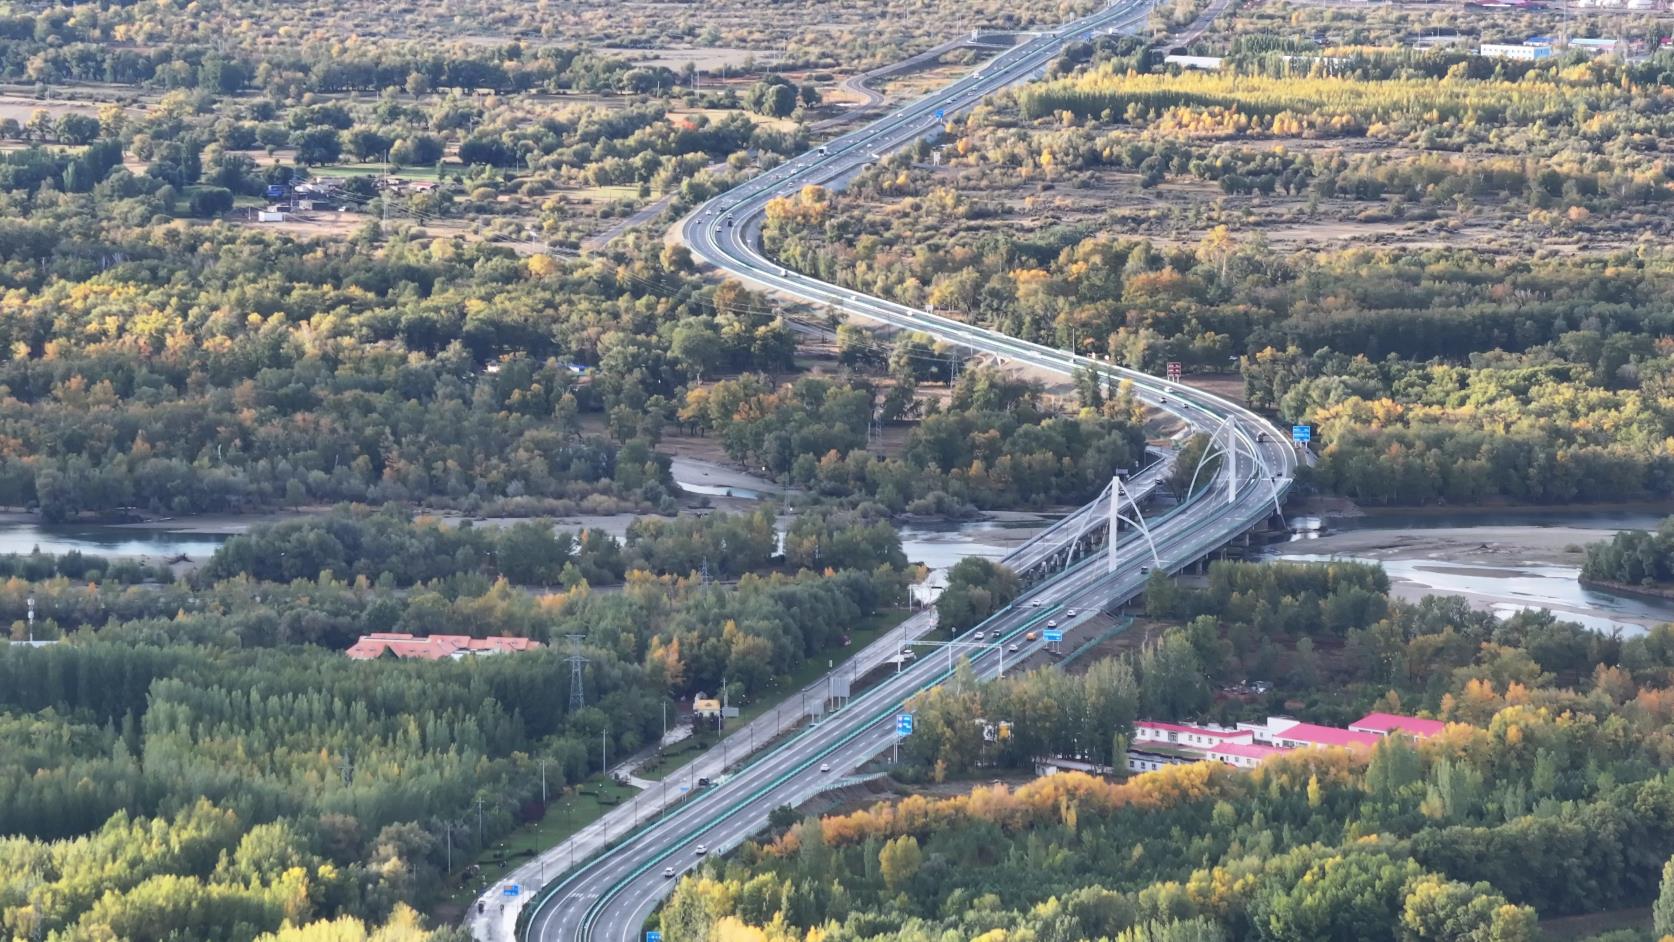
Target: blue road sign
<point>513,889</point>
<point>652,935</point>
<point>1301,434</point>
<point>904,724</point>
<point>940,113</point>
<point>1053,636</point>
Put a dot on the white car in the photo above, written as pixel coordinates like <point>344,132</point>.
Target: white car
<point>1015,647</point>
<point>825,766</point>
<point>668,873</point>
<point>1070,613</point>
<point>978,636</point>
<point>1035,604</point>
<point>1052,623</point>
<point>701,849</point>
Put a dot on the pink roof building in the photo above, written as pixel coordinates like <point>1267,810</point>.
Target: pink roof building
<point>434,647</point>
<point>1383,724</point>
<point>1303,735</point>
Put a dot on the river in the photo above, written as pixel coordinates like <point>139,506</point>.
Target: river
<point>1500,562</point>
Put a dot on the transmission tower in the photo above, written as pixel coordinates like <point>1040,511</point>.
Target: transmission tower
<point>578,694</point>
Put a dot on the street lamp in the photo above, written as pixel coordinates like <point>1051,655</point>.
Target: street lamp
<point>31,619</point>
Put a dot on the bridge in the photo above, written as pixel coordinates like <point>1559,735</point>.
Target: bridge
<point>620,869</point>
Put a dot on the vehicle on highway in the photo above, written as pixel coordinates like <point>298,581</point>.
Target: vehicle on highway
<point>1035,604</point>
<point>1070,613</point>
<point>1145,570</point>
<point>668,873</point>
<point>825,766</point>
<point>1031,636</point>
<point>1016,647</point>
<point>1052,623</point>
<point>701,849</point>
<point>978,636</point>
<point>908,654</point>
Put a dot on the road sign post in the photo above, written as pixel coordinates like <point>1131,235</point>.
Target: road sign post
<point>1174,371</point>
<point>903,729</point>
<point>652,935</point>
<point>1301,434</point>
<point>1053,638</point>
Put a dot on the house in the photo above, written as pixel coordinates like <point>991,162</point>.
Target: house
<point>706,707</point>
<point>435,647</point>
<point>1382,724</point>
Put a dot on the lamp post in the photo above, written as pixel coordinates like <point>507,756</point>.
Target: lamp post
<point>31,619</point>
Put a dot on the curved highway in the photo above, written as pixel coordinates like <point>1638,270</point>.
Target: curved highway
<point>609,898</point>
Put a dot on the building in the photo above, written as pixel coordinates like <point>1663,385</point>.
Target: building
<point>1382,724</point>
<point>435,647</point>
<point>1149,732</point>
<point>1599,47</point>
<point>1206,63</point>
<point>1245,755</point>
<point>1287,733</point>
<point>1153,756</point>
<point>1525,52</point>
<point>705,707</point>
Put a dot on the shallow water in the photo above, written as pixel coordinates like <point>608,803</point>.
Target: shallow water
<point>1509,588</point>
<point>93,540</point>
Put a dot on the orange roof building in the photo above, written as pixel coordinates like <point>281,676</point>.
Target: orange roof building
<point>435,647</point>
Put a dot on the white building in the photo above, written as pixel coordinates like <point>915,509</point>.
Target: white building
<point>1525,52</point>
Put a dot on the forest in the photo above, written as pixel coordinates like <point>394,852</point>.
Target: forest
<point>1443,356</point>
<point>1643,558</point>
<point>203,755</point>
<point>1546,796</point>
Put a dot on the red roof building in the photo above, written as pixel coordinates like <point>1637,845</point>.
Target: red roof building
<point>435,647</point>
<point>1383,724</point>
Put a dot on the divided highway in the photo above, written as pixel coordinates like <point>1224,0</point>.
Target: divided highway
<point>608,898</point>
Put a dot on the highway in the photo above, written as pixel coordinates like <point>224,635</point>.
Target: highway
<point>608,898</point>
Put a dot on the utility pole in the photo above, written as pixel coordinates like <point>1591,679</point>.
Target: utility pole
<point>604,751</point>
<point>721,721</point>
<point>480,840</point>
<point>543,781</point>
<point>31,619</point>
<point>578,693</point>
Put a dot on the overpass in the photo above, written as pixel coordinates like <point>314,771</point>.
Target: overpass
<point>626,861</point>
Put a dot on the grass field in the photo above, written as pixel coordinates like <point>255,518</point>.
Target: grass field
<point>564,817</point>
<point>376,169</point>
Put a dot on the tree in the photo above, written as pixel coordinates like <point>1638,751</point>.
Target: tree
<point>976,588</point>
<point>366,144</point>
<point>899,861</point>
<point>317,145</point>
<point>209,201</point>
<point>77,129</point>
<point>773,96</point>
<point>1662,912</point>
